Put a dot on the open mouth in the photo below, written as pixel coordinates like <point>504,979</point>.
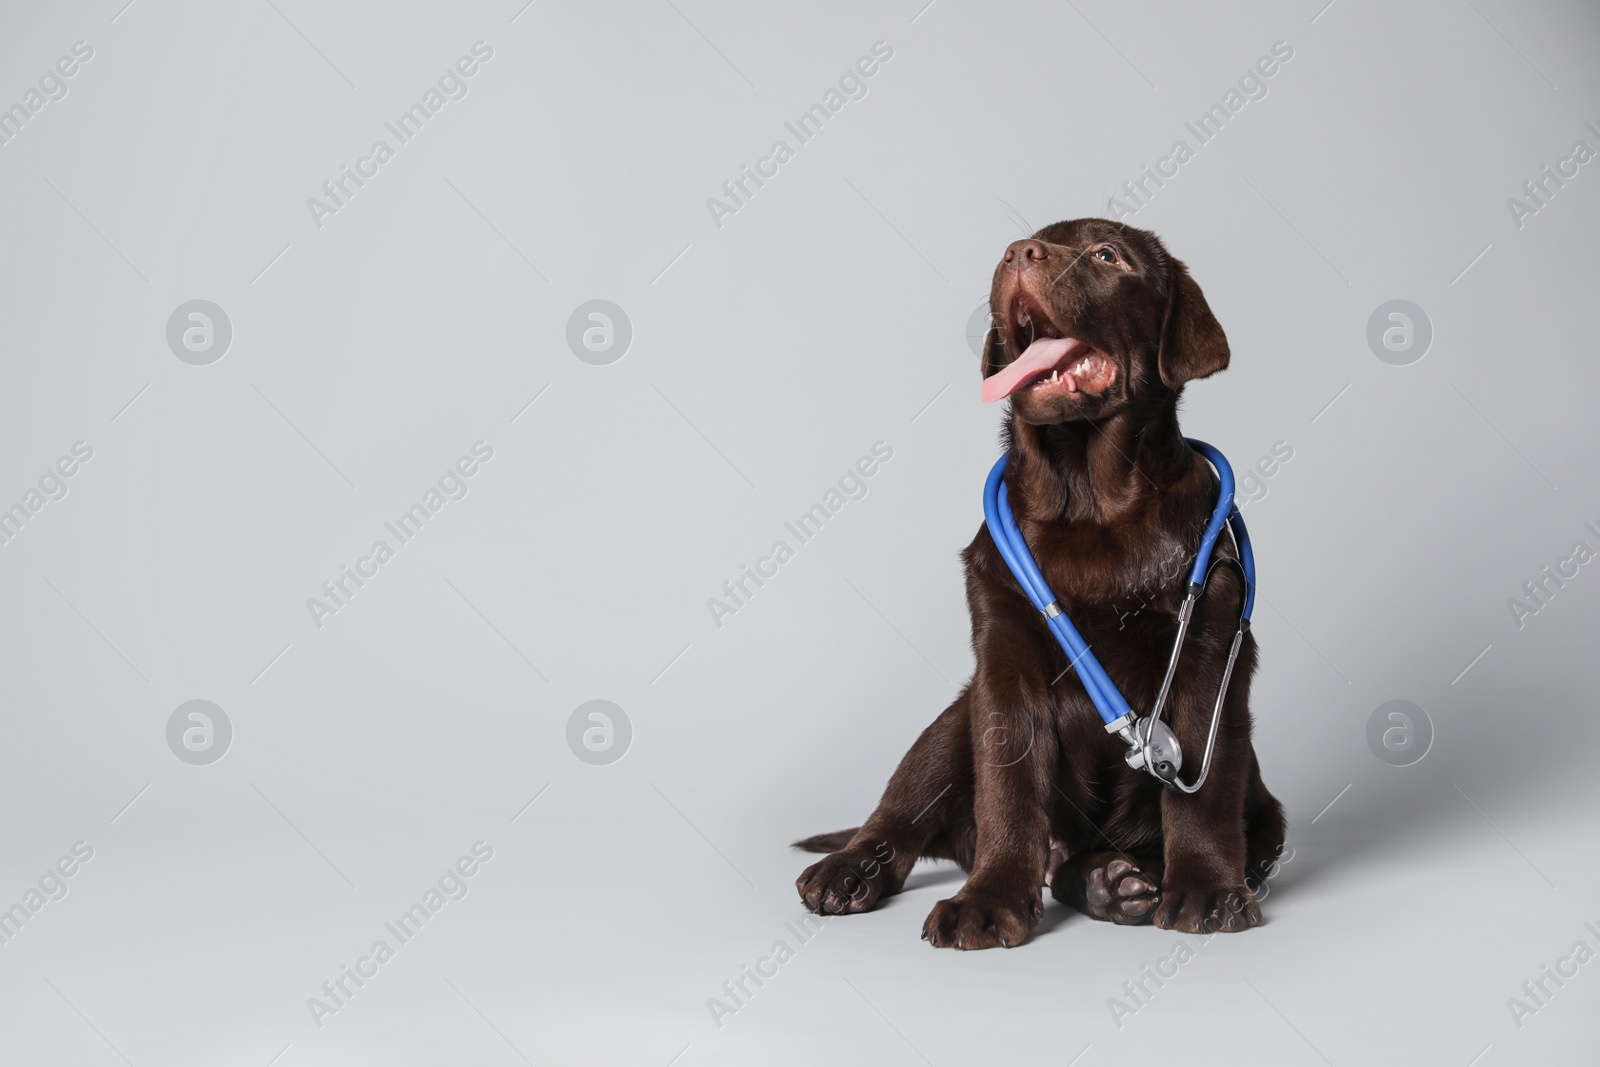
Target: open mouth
<point>1049,362</point>
<point>1029,322</point>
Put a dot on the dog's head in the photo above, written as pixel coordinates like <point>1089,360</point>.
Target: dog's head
<point>1091,317</point>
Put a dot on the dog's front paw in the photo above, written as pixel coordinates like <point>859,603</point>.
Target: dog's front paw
<point>979,918</point>
<point>1202,907</point>
<point>843,883</point>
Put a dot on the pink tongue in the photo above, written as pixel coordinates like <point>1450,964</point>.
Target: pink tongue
<point>1041,357</point>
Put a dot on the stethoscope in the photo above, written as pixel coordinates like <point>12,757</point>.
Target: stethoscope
<point>1152,746</point>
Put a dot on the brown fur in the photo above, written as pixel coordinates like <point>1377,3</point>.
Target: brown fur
<point>1017,780</point>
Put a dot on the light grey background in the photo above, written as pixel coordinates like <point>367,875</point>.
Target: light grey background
<point>767,355</point>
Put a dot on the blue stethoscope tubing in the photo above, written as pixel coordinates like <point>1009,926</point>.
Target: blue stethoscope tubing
<point>1108,700</point>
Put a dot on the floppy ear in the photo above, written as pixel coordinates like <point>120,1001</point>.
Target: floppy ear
<point>1192,342</point>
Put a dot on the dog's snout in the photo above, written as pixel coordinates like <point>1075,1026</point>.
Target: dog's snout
<point>1026,253</point>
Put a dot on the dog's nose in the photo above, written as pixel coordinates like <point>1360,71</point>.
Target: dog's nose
<point>1025,253</point>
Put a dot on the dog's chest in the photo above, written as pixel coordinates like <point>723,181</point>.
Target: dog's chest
<point>1099,568</point>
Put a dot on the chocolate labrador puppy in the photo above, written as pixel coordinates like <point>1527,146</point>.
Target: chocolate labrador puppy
<point>1096,330</point>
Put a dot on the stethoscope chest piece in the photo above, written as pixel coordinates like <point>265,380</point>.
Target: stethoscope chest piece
<point>1154,747</point>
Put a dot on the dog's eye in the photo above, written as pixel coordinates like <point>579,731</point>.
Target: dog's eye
<point>1105,254</point>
